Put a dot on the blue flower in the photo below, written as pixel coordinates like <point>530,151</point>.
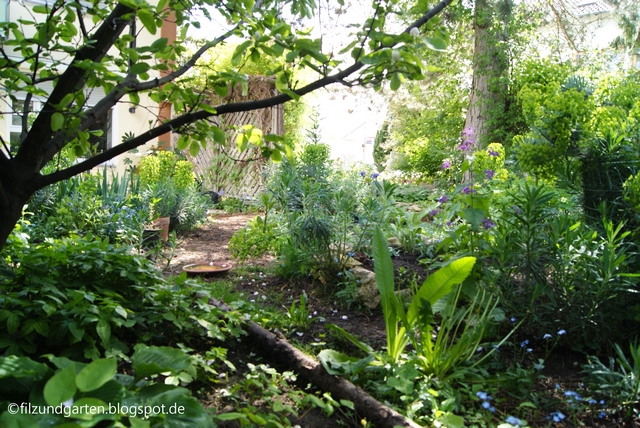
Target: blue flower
<point>602,402</point>
<point>561,332</point>
<point>557,416</point>
<point>592,401</point>
<point>524,343</point>
<point>573,394</point>
<point>351,254</point>
<point>483,395</point>
<point>547,336</point>
<point>362,173</point>
<point>602,415</point>
<point>374,175</point>
<point>513,319</point>
<point>513,421</point>
<point>486,404</point>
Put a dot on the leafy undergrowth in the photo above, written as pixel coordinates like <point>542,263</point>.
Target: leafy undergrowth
<point>539,381</point>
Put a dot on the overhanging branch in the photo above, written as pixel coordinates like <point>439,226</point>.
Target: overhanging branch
<point>192,117</point>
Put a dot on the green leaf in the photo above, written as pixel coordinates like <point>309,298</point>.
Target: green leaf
<point>139,68</point>
<point>81,409</point>
<point>103,328</point>
<point>395,81</point>
<point>439,284</point>
<point>57,121</point>
<point>218,135</point>
<point>474,216</point>
<point>134,98</point>
<point>194,148</point>
<point>435,43</point>
<point>96,374</point>
<point>159,44</point>
<point>150,360</point>
<point>61,387</point>
<point>148,20</point>
<point>238,53</point>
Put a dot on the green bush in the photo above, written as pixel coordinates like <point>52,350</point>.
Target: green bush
<point>83,298</point>
<point>95,394</point>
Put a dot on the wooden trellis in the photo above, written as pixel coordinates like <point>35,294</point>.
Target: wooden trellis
<point>225,169</point>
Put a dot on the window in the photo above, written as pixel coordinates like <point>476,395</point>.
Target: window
<point>15,127</point>
<point>99,143</point>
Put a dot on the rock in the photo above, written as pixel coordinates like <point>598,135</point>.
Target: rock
<point>368,293</point>
<point>394,242</point>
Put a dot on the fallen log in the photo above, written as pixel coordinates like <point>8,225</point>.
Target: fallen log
<point>280,350</point>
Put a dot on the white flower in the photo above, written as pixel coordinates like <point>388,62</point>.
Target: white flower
<point>414,32</point>
<point>257,35</point>
<point>395,55</point>
<point>344,317</point>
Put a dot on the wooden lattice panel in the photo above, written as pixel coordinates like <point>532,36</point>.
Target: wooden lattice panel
<point>224,169</point>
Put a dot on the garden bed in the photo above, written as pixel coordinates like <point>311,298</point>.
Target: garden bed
<point>254,283</point>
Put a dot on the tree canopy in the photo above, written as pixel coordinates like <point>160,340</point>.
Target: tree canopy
<point>79,46</point>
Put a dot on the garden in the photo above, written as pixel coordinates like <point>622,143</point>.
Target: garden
<point>482,270</point>
<point>499,289</point>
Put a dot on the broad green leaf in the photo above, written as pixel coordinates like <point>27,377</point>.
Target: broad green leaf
<point>81,409</point>
<point>139,68</point>
<point>150,360</point>
<point>96,374</point>
<point>159,44</point>
<point>474,216</point>
<point>61,387</point>
<point>57,121</point>
<point>194,148</point>
<point>218,135</point>
<point>121,311</point>
<point>103,328</point>
<point>148,20</point>
<point>435,43</point>
<point>439,284</point>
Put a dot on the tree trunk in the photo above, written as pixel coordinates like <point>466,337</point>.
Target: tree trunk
<point>282,352</point>
<point>487,103</point>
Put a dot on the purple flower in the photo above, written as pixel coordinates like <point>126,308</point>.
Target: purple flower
<point>433,213</point>
<point>493,153</point>
<point>466,145</point>
<point>489,173</point>
<point>488,224</point>
<point>517,210</point>
<point>442,199</point>
<point>446,164</point>
<point>468,190</point>
<point>374,175</point>
<point>467,132</point>
<point>362,173</point>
